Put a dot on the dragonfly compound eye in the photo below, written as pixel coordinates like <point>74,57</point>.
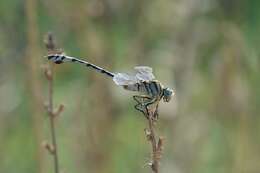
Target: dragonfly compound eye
<point>167,94</point>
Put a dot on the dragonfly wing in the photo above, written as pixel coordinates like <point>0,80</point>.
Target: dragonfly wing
<point>124,79</point>
<point>144,73</point>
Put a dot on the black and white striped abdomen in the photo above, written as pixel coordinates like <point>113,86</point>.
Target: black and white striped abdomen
<point>60,58</point>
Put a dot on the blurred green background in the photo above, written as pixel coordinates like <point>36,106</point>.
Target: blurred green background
<point>206,50</point>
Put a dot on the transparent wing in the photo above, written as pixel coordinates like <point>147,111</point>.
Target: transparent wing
<point>124,79</point>
<point>144,73</point>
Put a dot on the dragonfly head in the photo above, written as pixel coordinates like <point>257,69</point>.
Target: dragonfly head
<point>167,94</point>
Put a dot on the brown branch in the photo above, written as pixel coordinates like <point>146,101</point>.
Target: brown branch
<point>48,71</point>
<point>33,79</point>
<point>156,147</point>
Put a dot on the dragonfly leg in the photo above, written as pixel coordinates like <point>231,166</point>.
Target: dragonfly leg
<point>156,115</point>
<point>148,108</point>
<point>144,104</point>
<point>141,98</point>
<point>140,108</point>
<point>141,103</point>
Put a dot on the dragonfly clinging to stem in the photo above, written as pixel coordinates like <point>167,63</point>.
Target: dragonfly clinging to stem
<point>152,91</point>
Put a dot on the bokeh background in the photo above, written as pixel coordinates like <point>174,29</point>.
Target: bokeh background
<point>206,50</point>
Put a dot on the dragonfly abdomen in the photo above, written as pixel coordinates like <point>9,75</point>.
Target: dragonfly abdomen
<point>59,58</point>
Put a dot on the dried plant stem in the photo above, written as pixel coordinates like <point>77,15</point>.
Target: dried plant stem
<point>156,146</point>
<point>52,124</point>
<point>34,84</point>
<point>155,164</point>
<point>53,147</point>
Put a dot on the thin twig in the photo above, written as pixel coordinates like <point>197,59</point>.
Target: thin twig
<point>53,147</point>
<point>156,147</point>
<point>53,135</point>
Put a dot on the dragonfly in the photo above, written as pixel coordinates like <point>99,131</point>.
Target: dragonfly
<point>151,91</point>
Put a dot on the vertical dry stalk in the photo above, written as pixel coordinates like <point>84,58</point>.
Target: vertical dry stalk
<point>33,78</point>
<point>156,146</point>
<point>48,71</point>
